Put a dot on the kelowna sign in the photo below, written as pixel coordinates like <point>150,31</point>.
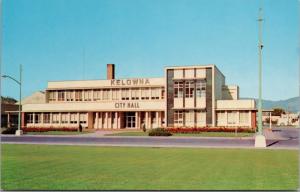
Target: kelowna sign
<point>128,82</point>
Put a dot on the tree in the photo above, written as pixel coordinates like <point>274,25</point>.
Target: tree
<point>278,111</point>
<point>8,100</point>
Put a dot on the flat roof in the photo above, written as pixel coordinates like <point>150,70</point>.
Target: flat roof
<point>195,66</point>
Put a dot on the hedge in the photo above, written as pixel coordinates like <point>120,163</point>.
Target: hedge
<point>209,129</point>
<point>45,129</point>
<point>159,132</point>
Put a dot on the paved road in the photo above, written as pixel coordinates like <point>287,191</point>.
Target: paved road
<point>287,133</point>
<point>281,138</point>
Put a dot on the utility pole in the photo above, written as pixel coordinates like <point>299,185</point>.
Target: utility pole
<point>260,140</point>
<point>19,131</point>
<point>260,47</point>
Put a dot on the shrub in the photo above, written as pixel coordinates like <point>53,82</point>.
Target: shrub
<point>159,132</point>
<point>9,131</point>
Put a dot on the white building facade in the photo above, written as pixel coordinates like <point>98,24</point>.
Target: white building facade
<point>188,96</point>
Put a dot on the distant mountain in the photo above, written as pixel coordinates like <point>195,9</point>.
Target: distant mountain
<point>292,104</point>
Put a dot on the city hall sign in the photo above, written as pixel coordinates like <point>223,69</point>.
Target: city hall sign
<point>128,82</point>
<point>130,105</point>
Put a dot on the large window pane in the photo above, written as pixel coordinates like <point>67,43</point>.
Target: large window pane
<point>61,95</point>
<point>78,95</point>
<point>178,89</point>
<point>201,88</point>
<point>232,116</point>
<point>87,95</point>
<point>145,93</point>
<point>106,94</point>
<point>55,118</point>
<point>135,94</point>
<point>97,95</point>
<point>155,93</point>
<point>70,95</point>
<point>52,95</point>
<point>125,94</point>
<point>178,117</point>
<point>189,89</point>
<point>115,94</point>
<point>46,117</point>
<point>244,117</point>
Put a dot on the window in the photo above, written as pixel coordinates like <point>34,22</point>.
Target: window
<point>244,117</point>
<point>189,118</point>
<point>201,117</point>
<point>69,96</point>
<point>78,95</point>
<point>61,95</point>
<point>201,88</point>
<point>232,117</point>
<point>64,118</point>
<point>155,93</point>
<point>106,93</point>
<point>97,95</point>
<point>55,118</point>
<point>221,117</point>
<point>82,118</point>
<point>162,96</point>
<point>87,95</point>
<point>178,89</point>
<point>115,94</point>
<point>189,89</point>
<point>178,117</point>
<point>145,93</point>
<point>52,96</point>
<point>73,118</point>
<point>29,118</point>
<point>46,117</point>
<point>125,94</point>
<point>135,94</point>
<point>38,118</point>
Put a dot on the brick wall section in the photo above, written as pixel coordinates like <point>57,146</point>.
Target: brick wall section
<point>110,71</point>
<point>253,119</point>
<point>90,120</point>
<point>23,123</point>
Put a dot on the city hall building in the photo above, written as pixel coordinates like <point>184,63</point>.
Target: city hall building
<point>187,96</point>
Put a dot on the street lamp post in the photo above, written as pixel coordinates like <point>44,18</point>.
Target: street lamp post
<point>260,140</point>
<point>19,131</point>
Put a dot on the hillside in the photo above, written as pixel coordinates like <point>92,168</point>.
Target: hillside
<point>291,104</point>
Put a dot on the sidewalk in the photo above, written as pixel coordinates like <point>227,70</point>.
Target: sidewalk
<point>270,135</point>
<point>97,133</point>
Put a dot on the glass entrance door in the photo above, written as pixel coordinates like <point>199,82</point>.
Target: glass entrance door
<point>130,119</point>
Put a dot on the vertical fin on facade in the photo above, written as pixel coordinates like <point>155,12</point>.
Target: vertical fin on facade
<point>170,97</point>
<point>209,96</point>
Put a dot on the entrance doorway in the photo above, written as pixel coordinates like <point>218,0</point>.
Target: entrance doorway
<point>130,120</point>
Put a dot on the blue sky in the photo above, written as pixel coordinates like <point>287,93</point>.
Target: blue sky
<point>75,39</point>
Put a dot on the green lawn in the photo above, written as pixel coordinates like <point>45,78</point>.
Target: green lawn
<point>42,167</point>
<point>57,133</point>
<point>203,134</point>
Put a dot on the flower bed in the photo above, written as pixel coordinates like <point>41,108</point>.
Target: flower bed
<point>210,129</point>
<point>45,129</point>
